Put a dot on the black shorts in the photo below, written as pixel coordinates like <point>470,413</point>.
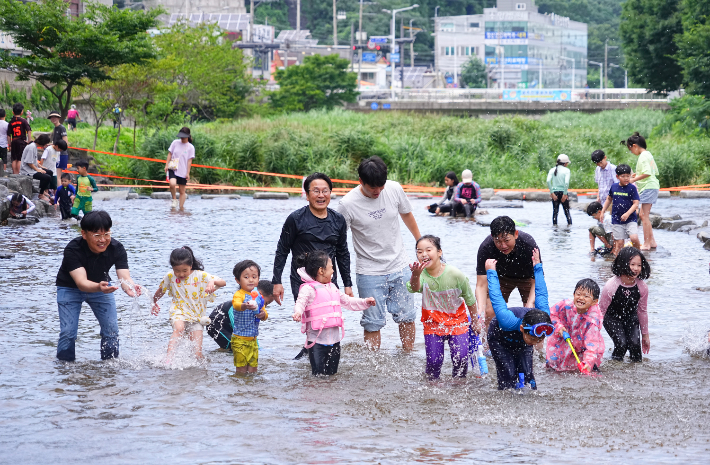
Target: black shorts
<point>3,154</point>
<point>71,122</point>
<point>17,146</point>
<point>178,180</point>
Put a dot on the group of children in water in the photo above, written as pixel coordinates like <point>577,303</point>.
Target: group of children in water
<point>449,315</point>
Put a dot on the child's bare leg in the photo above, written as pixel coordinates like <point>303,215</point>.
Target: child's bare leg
<point>182,195</point>
<point>635,241</point>
<point>648,240</point>
<point>617,246</point>
<point>251,369</point>
<point>196,339</point>
<point>591,240</point>
<point>178,332</point>
<point>242,370</point>
<point>605,242</point>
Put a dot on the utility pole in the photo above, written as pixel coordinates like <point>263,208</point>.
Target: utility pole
<point>359,42</point>
<point>335,25</point>
<point>298,17</point>
<point>606,62</point>
<point>352,44</point>
<point>411,45</point>
<point>251,21</point>
<point>401,48</point>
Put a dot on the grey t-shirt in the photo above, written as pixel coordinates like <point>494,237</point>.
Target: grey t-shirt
<point>29,156</point>
<point>377,238</point>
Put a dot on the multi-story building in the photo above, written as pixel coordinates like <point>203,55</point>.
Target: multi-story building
<point>520,47</point>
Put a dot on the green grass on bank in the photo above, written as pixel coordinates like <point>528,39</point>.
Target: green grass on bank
<point>505,152</point>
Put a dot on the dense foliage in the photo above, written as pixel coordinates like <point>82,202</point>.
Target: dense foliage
<point>473,73</point>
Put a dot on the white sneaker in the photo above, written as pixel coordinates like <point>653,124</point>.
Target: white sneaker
<point>174,203</point>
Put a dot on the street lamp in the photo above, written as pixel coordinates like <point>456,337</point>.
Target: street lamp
<point>626,75</point>
<point>601,72</point>
<point>573,69</point>
<point>394,12</point>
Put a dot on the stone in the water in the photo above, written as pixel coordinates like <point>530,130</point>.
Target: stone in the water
<point>510,195</point>
<point>496,198</point>
<point>132,196</point>
<point>6,254</point>
<point>162,195</point>
<point>22,222</point>
<point>271,195</point>
<point>220,196</point>
<point>503,204</point>
<point>676,225</point>
<point>695,194</point>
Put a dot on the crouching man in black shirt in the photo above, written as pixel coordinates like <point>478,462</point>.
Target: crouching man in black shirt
<point>83,277</point>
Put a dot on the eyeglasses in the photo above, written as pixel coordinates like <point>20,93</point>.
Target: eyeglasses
<point>106,235</point>
<point>319,191</point>
<point>540,329</point>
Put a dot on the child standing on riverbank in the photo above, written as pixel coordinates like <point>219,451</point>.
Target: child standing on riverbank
<point>624,201</point>
<point>446,295</point>
<point>249,309</point>
<point>580,317</point>
<point>191,288</point>
<point>623,305</point>
<point>318,308</point>
<point>558,183</point>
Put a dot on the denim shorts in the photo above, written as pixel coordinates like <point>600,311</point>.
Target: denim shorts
<point>648,196</point>
<point>390,293</point>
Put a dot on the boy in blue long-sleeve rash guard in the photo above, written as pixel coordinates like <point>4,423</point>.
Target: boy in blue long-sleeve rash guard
<point>510,334</point>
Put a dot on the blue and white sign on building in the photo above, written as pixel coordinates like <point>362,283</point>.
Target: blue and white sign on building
<point>374,106</point>
<point>379,40</point>
<point>508,60</point>
<point>507,35</point>
<point>394,57</point>
<point>369,57</point>
<point>537,95</point>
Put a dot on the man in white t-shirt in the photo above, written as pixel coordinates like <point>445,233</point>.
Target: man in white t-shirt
<point>372,211</point>
<point>3,138</point>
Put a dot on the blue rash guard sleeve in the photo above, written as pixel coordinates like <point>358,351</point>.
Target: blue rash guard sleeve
<point>541,298</point>
<point>507,321</point>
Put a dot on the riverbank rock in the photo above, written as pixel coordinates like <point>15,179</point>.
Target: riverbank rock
<point>44,209</point>
<point>22,222</point>
<point>6,255</point>
<point>111,195</point>
<point>4,204</point>
<point>664,194</point>
<point>19,183</point>
<point>487,193</point>
<point>132,196</point>
<point>695,194</point>
<point>656,220</point>
<point>162,195</point>
<point>271,196</point>
<point>500,204</point>
<point>510,195</point>
<point>223,196</point>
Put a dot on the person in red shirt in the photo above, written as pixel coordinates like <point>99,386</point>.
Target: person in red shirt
<point>18,135</point>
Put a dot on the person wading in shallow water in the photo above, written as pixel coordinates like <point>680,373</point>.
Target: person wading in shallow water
<point>372,211</point>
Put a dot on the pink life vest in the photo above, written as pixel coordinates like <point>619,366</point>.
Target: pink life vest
<point>324,312</point>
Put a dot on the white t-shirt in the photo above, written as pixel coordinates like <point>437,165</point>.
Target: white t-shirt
<point>3,133</point>
<point>182,152</point>
<point>375,228</point>
<point>50,157</point>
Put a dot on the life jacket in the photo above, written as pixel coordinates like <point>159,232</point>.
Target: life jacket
<point>324,312</point>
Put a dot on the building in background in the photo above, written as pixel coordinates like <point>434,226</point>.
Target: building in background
<point>520,47</point>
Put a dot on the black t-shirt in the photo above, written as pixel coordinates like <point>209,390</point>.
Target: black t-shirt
<point>58,134</point>
<point>303,232</point>
<point>18,128</point>
<point>517,264</point>
<point>77,255</point>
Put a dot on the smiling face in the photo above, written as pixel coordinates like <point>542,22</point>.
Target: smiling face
<point>428,254</point>
<point>635,266</point>
<point>98,241</point>
<point>325,275</point>
<point>182,271</point>
<point>318,195</point>
<point>54,120</point>
<point>583,300</point>
<point>505,242</point>
<point>249,279</point>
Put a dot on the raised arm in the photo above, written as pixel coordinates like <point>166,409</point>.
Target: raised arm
<point>506,319</point>
<point>541,298</point>
<point>342,256</point>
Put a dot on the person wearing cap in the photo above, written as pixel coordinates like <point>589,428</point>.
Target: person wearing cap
<point>467,195</point>
<point>177,167</point>
<point>514,331</point>
<point>558,182</point>
<point>59,133</point>
<point>72,117</point>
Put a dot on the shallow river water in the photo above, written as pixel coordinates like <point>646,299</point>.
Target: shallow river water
<point>379,408</point>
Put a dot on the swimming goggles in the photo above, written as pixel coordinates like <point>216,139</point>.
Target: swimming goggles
<point>540,329</point>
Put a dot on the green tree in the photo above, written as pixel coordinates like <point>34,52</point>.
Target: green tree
<point>694,46</point>
<point>63,50</point>
<point>648,29</point>
<point>320,82</point>
<point>473,73</point>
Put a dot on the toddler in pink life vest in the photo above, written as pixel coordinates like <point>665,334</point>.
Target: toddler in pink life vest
<point>581,317</point>
<point>318,308</point>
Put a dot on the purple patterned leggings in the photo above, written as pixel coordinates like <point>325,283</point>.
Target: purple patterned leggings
<point>458,346</point>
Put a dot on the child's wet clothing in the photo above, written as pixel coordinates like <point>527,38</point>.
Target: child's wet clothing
<point>62,197</point>
<point>245,329</point>
<point>585,334</point>
<point>189,296</point>
<point>85,185</point>
<point>625,315</point>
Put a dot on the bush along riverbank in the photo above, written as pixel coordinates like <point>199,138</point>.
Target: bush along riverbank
<point>505,152</point>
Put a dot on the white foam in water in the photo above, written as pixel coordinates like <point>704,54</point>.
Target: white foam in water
<point>695,342</point>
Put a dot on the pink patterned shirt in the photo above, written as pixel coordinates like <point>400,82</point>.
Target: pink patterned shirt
<point>585,333</point>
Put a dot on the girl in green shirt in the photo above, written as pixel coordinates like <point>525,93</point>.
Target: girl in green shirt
<point>647,184</point>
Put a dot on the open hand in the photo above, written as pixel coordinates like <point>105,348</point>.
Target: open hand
<point>370,301</point>
<point>106,289</point>
<point>645,343</point>
<point>156,309</point>
<point>417,268</point>
<point>491,264</point>
<point>535,256</point>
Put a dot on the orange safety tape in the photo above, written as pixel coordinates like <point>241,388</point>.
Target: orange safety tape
<point>292,190</point>
<point>115,176</point>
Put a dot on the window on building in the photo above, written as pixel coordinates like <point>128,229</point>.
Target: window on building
<point>447,26</point>
<point>468,51</point>
<point>448,51</point>
<point>520,6</point>
<point>474,25</point>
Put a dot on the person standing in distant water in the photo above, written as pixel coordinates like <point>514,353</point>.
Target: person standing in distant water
<point>558,183</point>
<point>604,175</point>
<point>372,211</point>
<point>313,227</point>
<point>19,133</point>
<point>513,251</point>
<point>647,183</point>
<point>3,139</point>
<point>178,164</point>
<point>72,117</point>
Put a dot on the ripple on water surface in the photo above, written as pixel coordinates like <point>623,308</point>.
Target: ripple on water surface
<point>379,407</point>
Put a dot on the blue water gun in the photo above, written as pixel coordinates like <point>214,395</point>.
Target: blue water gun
<point>475,351</point>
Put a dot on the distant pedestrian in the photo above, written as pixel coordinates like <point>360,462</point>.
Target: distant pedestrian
<point>604,175</point>
<point>73,117</point>
<point>646,181</point>
<point>467,195</point>
<point>178,164</point>
<point>116,114</point>
<point>18,133</point>
<point>558,183</point>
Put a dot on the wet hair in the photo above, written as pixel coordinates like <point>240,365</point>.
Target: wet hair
<point>97,220</point>
<point>621,267</point>
<point>82,164</point>
<point>598,155</point>
<point>588,285</point>
<point>42,140</point>
<point>244,265</point>
<point>266,288</point>
<point>62,144</point>
<point>307,182</point>
<point>2,113</point>
<point>373,171</point>
<point>502,225</point>
<point>66,176</point>
<point>534,317</point>
<point>313,261</point>
<point>593,208</point>
<point>635,139</point>
<point>436,242</point>
<point>186,130</point>
<point>184,256</point>
<point>559,162</point>
<point>623,169</point>
<point>452,175</point>
<point>17,197</point>
<point>18,108</point>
